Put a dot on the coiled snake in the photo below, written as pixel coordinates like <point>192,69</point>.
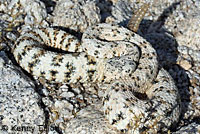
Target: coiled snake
<point>140,97</point>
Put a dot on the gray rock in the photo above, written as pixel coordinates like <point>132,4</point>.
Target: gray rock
<point>19,108</point>
<point>76,14</point>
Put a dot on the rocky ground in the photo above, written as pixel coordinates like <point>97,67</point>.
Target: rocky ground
<point>172,27</point>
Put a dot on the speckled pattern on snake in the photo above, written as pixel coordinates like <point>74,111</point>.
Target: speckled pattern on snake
<point>141,97</point>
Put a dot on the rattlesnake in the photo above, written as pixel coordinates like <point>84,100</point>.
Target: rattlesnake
<point>140,95</point>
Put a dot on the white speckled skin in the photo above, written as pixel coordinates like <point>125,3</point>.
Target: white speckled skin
<point>138,98</point>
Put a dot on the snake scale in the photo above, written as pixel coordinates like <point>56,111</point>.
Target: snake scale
<point>141,97</point>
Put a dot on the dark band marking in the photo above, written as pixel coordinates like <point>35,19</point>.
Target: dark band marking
<point>48,36</point>
<point>57,60</point>
<point>55,33</point>
<point>66,47</point>
<point>77,46</point>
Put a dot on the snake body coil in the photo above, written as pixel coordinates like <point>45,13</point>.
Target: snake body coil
<point>140,97</point>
